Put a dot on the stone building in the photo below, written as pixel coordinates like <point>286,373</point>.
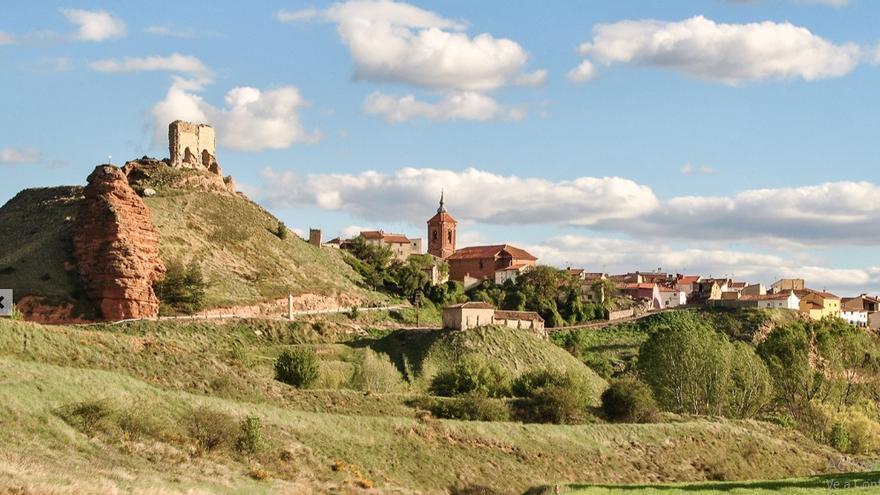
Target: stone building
<point>192,145</point>
<point>401,246</point>
<point>441,233</point>
<point>468,315</point>
<point>498,262</point>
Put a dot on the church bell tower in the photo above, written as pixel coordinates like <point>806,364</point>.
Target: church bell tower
<point>441,233</point>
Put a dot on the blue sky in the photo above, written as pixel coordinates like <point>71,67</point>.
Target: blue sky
<point>722,137</point>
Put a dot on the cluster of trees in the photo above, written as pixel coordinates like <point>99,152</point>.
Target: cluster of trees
<point>183,290</point>
<point>554,294</point>
<point>822,377</point>
<point>481,390</point>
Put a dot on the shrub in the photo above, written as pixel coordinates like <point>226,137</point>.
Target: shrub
<point>183,289</point>
<point>298,367</point>
<point>280,231</point>
<point>838,438</point>
<point>471,374</point>
<point>629,401</point>
<point>211,429</point>
<point>470,407</point>
<point>378,374</point>
<point>551,396</point>
<point>250,437</point>
<point>89,417</point>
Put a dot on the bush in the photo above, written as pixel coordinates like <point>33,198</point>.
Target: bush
<point>211,429</point>
<point>280,231</point>
<point>629,401</point>
<point>183,289</point>
<point>89,417</point>
<point>298,367</point>
<point>471,374</point>
<point>378,374</point>
<point>551,396</point>
<point>250,438</point>
<point>838,438</point>
<point>470,407</point>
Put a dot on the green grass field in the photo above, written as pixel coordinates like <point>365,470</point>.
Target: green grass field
<point>107,408</point>
<point>868,482</point>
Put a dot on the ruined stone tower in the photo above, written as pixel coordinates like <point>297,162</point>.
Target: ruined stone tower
<point>192,145</point>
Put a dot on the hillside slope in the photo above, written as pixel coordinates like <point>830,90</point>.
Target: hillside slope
<point>229,236</point>
<point>423,353</point>
<point>110,409</point>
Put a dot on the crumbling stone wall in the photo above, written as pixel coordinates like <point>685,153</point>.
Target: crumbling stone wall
<point>192,146</point>
<point>116,246</point>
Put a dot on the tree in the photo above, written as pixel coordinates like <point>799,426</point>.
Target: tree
<point>786,352</point>
<point>472,374</point>
<point>184,288</point>
<point>629,401</point>
<point>298,367</point>
<point>751,386</point>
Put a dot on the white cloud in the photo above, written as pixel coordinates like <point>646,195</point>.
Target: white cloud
<point>185,64</point>
<point>824,214</point>
<point>19,156</point>
<point>690,169</point>
<point>398,42</point>
<point>727,53</point>
<point>95,25</point>
<point>625,255</point>
<point>410,194</point>
<point>6,38</point>
<point>584,72</point>
<point>251,120</point>
<point>456,105</point>
<point>875,55</point>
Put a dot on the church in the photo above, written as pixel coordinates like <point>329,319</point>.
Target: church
<point>471,264</point>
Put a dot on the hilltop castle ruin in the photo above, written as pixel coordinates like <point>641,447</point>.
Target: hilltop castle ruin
<point>192,145</point>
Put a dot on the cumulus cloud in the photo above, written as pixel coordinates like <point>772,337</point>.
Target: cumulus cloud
<point>727,53</point>
<point>690,169</point>
<point>19,156</point>
<point>251,120</point>
<point>184,64</point>
<point>464,105</point>
<point>95,25</point>
<point>624,255</point>
<point>393,41</point>
<point>584,72</point>
<point>474,195</point>
<point>824,214</point>
<point>173,31</point>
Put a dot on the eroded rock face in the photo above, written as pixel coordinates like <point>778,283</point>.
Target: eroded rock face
<point>116,246</point>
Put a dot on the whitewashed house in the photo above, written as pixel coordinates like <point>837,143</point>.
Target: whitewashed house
<point>671,298</point>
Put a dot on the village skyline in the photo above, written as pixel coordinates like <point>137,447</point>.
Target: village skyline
<point>754,167</point>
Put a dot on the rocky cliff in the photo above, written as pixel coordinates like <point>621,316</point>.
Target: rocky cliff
<point>116,247</point>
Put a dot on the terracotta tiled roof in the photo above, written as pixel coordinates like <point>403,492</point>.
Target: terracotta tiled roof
<point>737,285</point>
<point>375,235</point>
<point>688,279</point>
<point>471,305</point>
<point>638,286</point>
<point>575,271</point>
<point>442,217</point>
<point>518,315</point>
<point>822,294</point>
<point>372,234</point>
<point>480,252</point>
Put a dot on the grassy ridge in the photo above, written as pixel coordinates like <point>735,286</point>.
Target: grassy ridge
<point>163,372</point>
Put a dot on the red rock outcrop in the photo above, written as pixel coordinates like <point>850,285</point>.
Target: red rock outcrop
<point>116,246</point>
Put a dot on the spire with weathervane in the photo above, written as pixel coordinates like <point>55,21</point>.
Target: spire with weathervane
<point>442,208</point>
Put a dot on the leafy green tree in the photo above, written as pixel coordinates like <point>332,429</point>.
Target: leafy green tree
<point>629,401</point>
<point>183,290</point>
<point>751,386</point>
<point>298,367</point>
<point>472,374</point>
<point>786,352</point>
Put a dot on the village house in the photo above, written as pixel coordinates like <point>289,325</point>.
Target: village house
<point>818,305</point>
<point>647,292</point>
<point>787,284</point>
<point>474,314</point>
<point>687,283</point>
<point>779,300</point>
<point>707,290</point>
<point>498,263</point>
<point>401,246</point>
<point>671,297</point>
<point>754,290</point>
<point>861,311</point>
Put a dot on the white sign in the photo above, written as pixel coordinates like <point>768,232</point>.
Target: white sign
<point>5,302</point>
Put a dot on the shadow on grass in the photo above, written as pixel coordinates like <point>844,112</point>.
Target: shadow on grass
<point>858,481</point>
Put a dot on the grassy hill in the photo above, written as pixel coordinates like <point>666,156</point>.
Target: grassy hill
<point>107,408</point>
<point>231,238</point>
<point>420,354</point>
